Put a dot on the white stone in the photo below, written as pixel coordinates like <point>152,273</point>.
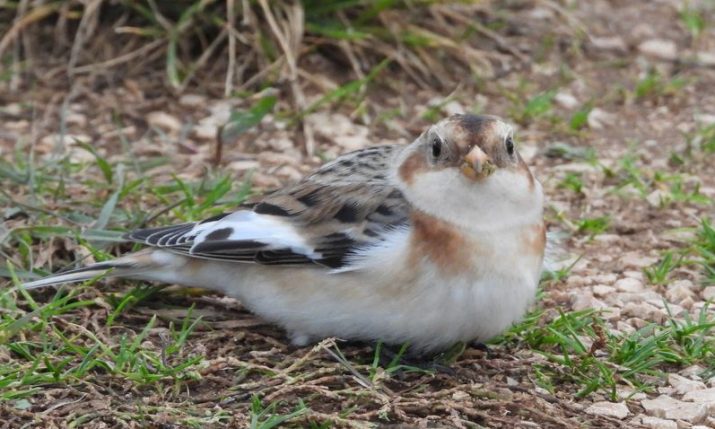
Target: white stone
<point>662,49</point>
<point>684,385</point>
<point>351,143</point>
<point>709,293</point>
<point>192,100</point>
<point>21,125</point>
<point>584,300</point>
<point>566,100</point>
<point>74,118</point>
<point>339,129</point>
<point>164,121</point>
<point>629,285</point>
<point>657,198</point>
<point>693,372</point>
<point>644,311</point>
<point>205,131</point>
<point>624,327</point>
<point>644,295</point>
<point>69,143</point>
<point>626,393</point>
<point>577,281</point>
<point>614,43</point>
<point>460,396</point>
<point>666,407</point>
<point>276,158</point>
<point>608,238</point>
<point>243,165</point>
<point>607,279</point>
<point>611,314</point>
<point>666,390</point>
<point>687,303</point>
<point>220,112</point>
<point>704,395</point>
<point>704,119</point>
<point>638,323</point>
<point>656,407</point>
<point>541,13</point>
<point>599,118</point>
<point>637,260</point>
<point>603,290</point>
<point>706,58</point>
<point>12,109</point>
<point>657,423</point>
<point>454,107</point>
<point>685,283</point>
<point>690,412</point>
<point>638,275</point>
<point>618,410</point>
<point>678,292</point>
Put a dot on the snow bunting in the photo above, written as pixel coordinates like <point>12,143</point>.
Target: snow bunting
<point>430,243</point>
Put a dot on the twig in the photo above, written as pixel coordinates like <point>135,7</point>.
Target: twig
<point>203,59</point>
<point>129,56</point>
<point>85,29</point>
<point>484,31</point>
<point>231,12</point>
<point>22,21</point>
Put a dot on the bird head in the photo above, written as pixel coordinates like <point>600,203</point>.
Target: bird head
<point>467,168</point>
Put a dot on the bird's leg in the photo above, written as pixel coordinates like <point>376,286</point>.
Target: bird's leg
<point>401,361</point>
<point>481,347</point>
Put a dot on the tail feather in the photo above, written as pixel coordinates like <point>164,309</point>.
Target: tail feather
<point>79,274</point>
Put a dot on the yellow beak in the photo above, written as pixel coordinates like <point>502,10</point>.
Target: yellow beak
<point>477,165</point>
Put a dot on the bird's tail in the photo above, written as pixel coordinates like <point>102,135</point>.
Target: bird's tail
<point>128,266</point>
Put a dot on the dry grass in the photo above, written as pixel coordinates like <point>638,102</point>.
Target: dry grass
<point>203,39</point>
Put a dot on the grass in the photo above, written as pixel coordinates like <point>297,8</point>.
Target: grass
<point>660,188</point>
<point>659,274</point>
<point>580,349</point>
<point>123,353</point>
<point>693,19</point>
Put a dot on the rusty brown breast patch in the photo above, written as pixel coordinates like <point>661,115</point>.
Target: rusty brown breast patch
<point>534,239</point>
<point>441,243</point>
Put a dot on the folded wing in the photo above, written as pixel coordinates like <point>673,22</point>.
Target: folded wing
<point>345,206</point>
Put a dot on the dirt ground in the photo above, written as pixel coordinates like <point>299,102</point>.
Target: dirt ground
<point>614,103</point>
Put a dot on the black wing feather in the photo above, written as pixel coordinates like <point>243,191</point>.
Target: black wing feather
<point>324,206</point>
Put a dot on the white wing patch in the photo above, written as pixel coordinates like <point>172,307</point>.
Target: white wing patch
<point>247,225</point>
<point>382,255</point>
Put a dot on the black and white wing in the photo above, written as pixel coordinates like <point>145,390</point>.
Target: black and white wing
<point>344,206</point>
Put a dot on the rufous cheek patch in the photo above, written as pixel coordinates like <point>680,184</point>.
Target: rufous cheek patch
<point>411,166</point>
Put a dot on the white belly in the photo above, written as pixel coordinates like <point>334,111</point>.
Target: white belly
<point>387,299</point>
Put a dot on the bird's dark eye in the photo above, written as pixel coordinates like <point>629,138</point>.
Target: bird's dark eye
<point>436,147</point>
<point>510,146</point>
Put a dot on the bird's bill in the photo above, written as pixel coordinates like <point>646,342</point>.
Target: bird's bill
<point>477,165</point>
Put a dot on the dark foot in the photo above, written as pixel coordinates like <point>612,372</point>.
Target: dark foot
<point>399,361</point>
<point>481,346</point>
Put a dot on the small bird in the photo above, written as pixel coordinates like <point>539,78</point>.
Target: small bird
<point>431,243</point>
